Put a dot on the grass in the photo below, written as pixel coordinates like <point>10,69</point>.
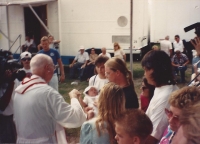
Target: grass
<point>138,72</point>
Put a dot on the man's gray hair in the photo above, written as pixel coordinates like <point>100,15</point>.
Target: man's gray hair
<point>39,61</point>
<point>167,37</point>
<point>103,48</point>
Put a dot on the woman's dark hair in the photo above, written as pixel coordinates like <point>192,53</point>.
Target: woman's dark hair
<point>100,60</point>
<point>92,49</point>
<point>150,87</point>
<point>177,36</point>
<point>160,63</point>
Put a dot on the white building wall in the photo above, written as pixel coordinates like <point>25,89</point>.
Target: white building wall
<point>170,17</point>
<point>16,26</point>
<point>52,19</point>
<point>93,23</point>
<point>3,27</point>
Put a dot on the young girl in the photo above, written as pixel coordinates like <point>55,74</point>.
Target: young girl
<point>100,130</point>
<point>146,95</point>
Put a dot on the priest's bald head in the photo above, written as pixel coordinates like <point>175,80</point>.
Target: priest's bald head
<point>42,65</point>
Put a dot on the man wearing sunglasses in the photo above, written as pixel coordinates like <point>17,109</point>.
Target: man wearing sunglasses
<point>25,60</point>
<point>178,44</point>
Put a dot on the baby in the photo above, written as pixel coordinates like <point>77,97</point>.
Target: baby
<point>91,96</point>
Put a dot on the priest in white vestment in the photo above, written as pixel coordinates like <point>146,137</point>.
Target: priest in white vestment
<point>38,108</point>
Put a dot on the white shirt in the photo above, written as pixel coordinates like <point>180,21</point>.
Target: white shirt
<point>178,46</point>
<point>107,54</point>
<point>39,109</point>
<point>166,46</point>
<point>27,43</point>
<point>119,54</point>
<point>156,109</point>
<point>82,58</point>
<point>97,81</point>
<point>89,100</point>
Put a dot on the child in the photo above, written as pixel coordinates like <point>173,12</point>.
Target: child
<point>132,127</point>
<point>91,96</point>
<point>146,95</point>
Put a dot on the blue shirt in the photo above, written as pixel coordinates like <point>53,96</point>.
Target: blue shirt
<point>89,134</point>
<point>183,58</point>
<point>195,60</point>
<point>53,54</point>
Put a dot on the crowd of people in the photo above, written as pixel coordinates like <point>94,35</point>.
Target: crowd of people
<point>33,110</point>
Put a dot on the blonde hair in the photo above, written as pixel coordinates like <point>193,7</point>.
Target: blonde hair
<point>118,64</point>
<point>50,36</point>
<point>116,44</point>
<point>184,97</point>
<point>44,38</point>
<point>155,47</point>
<point>111,104</point>
<point>190,121</point>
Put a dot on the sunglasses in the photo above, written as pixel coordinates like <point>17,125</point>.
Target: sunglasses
<point>24,59</point>
<point>171,115</point>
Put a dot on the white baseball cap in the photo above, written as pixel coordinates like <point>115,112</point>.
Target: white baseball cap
<point>82,47</point>
<point>25,55</point>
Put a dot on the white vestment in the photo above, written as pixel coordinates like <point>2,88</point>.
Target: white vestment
<point>38,109</point>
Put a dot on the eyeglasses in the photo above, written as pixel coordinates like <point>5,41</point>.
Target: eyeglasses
<point>24,59</point>
<point>171,115</point>
<point>54,67</point>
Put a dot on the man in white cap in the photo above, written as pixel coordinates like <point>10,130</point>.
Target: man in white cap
<point>82,59</point>
<point>25,60</point>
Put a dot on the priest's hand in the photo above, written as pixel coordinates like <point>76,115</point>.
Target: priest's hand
<point>74,94</point>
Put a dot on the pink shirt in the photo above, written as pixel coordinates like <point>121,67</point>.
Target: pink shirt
<point>144,102</point>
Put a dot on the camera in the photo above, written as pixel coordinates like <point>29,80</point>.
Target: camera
<point>7,63</point>
<point>195,26</point>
